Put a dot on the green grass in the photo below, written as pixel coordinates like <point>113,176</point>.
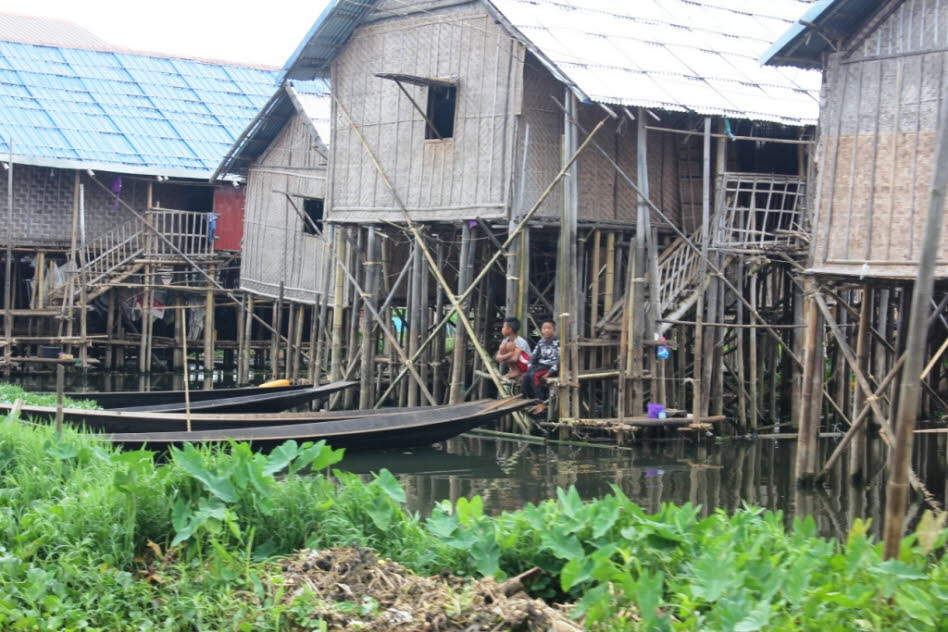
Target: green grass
<point>9,393</point>
<point>77,517</point>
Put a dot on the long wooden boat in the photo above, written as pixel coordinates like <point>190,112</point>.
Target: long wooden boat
<point>394,430</point>
<point>115,421</point>
<point>262,401</point>
<point>124,399</point>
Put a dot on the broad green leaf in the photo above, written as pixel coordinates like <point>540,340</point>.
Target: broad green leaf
<point>190,461</point>
<point>441,524</point>
<point>390,485</point>
<point>486,555</point>
<point>714,575</point>
<point>570,502</point>
<point>576,571</point>
<point>61,450</point>
<point>562,545</point>
<point>899,569</point>
<point>469,510</point>
<point>281,456</point>
<point>606,516</point>
<point>756,619</point>
<point>381,515</point>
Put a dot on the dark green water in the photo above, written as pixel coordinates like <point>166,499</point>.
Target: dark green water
<point>509,474</point>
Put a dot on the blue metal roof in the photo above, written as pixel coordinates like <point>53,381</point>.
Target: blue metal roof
<point>805,42</point>
<point>120,111</point>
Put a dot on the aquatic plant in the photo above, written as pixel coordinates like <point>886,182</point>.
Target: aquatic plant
<point>93,536</point>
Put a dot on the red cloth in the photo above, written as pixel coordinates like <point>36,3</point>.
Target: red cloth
<point>523,362</point>
<point>538,376</point>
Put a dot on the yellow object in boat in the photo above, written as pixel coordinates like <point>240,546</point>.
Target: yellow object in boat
<point>274,383</point>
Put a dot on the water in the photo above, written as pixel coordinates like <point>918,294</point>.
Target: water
<point>507,474</point>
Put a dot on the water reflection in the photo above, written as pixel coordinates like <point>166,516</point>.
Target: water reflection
<point>509,474</point>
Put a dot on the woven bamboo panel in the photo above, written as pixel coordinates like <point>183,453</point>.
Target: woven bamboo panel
<point>877,147</point>
<point>276,249</point>
<point>450,179</point>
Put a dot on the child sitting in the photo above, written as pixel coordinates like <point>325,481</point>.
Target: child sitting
<point>545,362</point>
<point>514,351</point>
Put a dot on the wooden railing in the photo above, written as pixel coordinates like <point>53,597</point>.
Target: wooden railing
<point>756,212</point>
<point>678,270</point>
<point>188,231</point>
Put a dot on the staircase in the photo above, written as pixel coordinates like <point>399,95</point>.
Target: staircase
<point>109,258</point>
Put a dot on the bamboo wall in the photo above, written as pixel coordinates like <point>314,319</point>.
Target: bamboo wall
<point>604,196</point>
<point>881,98</point>
<point>275,247</point>
<point>437,180</point>
<point>43,200</point>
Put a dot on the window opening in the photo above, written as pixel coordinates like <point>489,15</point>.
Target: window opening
<point>442,101</point>
<point>313,210</point>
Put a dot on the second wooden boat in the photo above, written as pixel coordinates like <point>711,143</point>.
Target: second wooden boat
<point>263,400</point>
<point>392,430</point>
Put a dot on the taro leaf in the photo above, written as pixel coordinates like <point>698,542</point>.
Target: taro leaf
<point>562,545</point>
<point>281,456</point>
<point>898,569</point>
<point>576,571</point>
<point>61,450</point>
<point>756,619</point>
<point>441,524</point>
<point>470,510</point>
<point>713,576</point>
<point>486,555</point>
<point>606,516</point>
<point>648,597</point>
<point>317,456</point>
<point>389,484</point>
<point>381,515</point>
<point>570,501</point>
<point>190,461</point>
<point>180,514</point>
<point>917,604</point>
<point>929,529</point>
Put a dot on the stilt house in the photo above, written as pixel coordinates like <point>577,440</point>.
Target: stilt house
<point>459,133</point>
<point>107,205</point>
<point>883,66</point>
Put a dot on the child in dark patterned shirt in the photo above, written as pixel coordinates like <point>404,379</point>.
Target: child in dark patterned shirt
<point>544,363</point>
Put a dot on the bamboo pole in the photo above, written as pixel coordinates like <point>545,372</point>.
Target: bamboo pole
<point>857,455</point>
<point>437,382</point>
<point>248,341</point>
<point>241,343</point>
<point>698,370</point>
<point>910,387</point>
<point>414,317</point>
<point>594,283</point>
<point>753,357</point>
<point>187,369</point>
<point>180,315</point>
<point>297,342</point>
<point>83,294</point>
<point>464,275</point>
<point>809,426</point>
<point>276,318</point>
<point>8,271</point>
<point>209,329</point>
<point>366,384</point>
<point>739,372</point>
<point>60,371</point>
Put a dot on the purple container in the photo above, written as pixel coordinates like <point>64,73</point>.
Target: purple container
<point>654,410</point>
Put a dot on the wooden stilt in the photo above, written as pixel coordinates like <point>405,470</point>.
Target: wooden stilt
<point>464,276</point>
<point>297,343</point>
<point>209,328</point>
<point>437,365</point>
<point>698,381</point>
<point>858,450</point>
<point>367,368</point>
<point>248,340</point>
<point>752,354</point>
<point>812,367</point>
<point>277,328</point>
<point>180,318</point>
<point>910,387</point>
<point>108,358</point>
<point>241,341</point>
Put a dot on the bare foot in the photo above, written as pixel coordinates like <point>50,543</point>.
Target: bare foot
<point>539,409</point>
<point>513,375</point>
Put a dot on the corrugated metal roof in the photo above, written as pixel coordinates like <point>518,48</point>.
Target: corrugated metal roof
<point>310,98</point>
<point>36,30</point>
<point>121,111</point>
<point>803,47</point>
<point>681,55</point>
